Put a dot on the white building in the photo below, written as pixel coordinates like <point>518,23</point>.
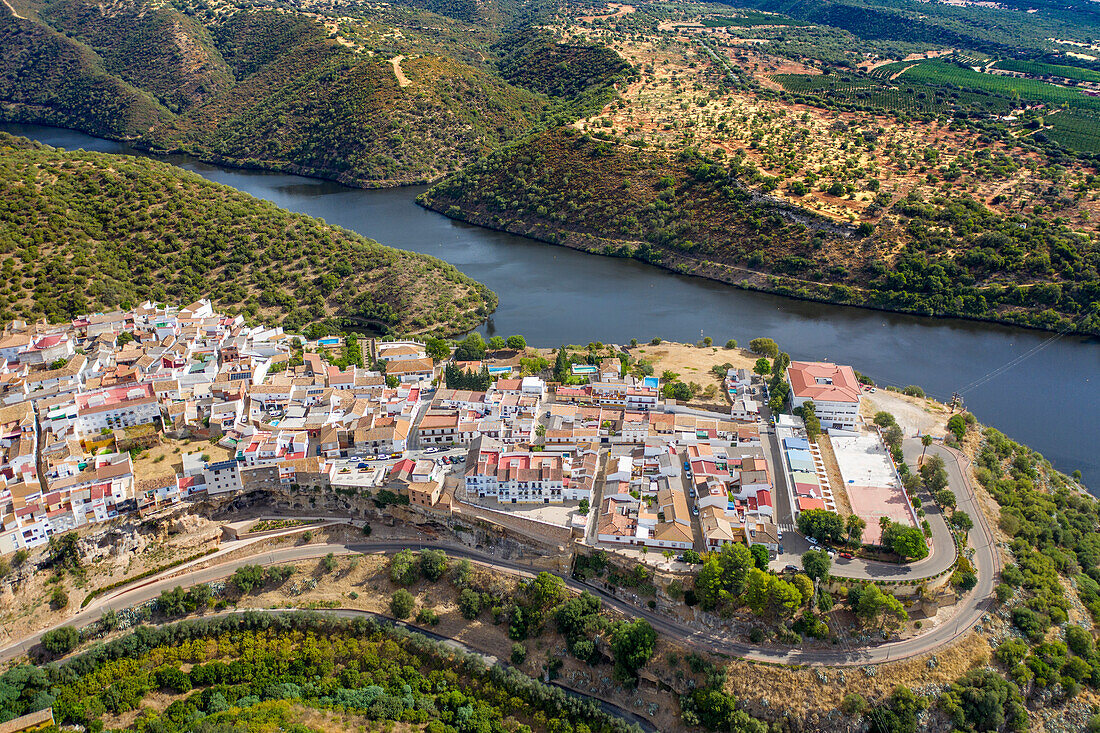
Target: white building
<point>118,407</point>
<point>833,389</point>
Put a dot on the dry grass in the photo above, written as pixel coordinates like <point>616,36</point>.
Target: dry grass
<point>802,693</point>
<point>832,470</point>
<point>167,458</point>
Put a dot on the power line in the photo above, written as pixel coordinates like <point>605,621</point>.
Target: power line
<point>1016,361</point>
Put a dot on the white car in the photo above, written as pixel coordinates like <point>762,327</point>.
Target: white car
<point>812,541</point>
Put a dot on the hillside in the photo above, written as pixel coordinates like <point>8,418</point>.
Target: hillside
<point>48,78</point>
<point>946,256</point>
<point>314,106</point>
<point>89,231</point>
<point>341,97</point>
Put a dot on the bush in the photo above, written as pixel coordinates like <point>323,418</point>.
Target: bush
<point>404,568</point>
<point>427,616</point>
<point>519,653</point>
<point>1004,592</point>
<point>433,564</point>
<point>402,604</point>
<point>247,578</point>
<point>731,344</point>
<point>60,640</point>
<point>59,599</point>
<point>853,704</point>
<point>469,604</point>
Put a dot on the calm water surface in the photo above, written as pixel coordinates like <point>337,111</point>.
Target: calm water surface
<point>553,295</point>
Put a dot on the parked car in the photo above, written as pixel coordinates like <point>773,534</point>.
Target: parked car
<point>790,569</point>
<point>830,552</point>
<point>813,541</point>
<point>846,555</point>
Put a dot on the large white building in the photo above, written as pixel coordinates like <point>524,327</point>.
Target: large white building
<point>516,477</point>
<point>118,407</point>
<point>832,388</point>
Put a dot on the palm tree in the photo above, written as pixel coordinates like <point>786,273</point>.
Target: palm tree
<point>925,440</point>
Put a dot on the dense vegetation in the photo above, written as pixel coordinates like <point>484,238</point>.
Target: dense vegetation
<point>257,88</point>
<point>46,77</point>
<point>699,216</point>
<point>580,73</point>
<point>81,232</point>
<point>262,672</point>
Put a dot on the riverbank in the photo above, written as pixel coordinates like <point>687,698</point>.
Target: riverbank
<point>738,277</point>
<point>555,295</point>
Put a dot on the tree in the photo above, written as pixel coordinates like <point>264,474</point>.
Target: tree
<point>760,556</point>
<point>731,344</point>
<point>854,525</point>
<point>821,524</point>
<point>764,347</point>
<point>247,577</point>
<point>438,349</point>
<point>392,381</point>
<point>984,700</point>
<point>561,366</point>
<point>805,587</point>
<point>632,645</point>
<point>784,598</point>
<point>906,542</point>
<point>404,568</point>
<point>433,563</point>
<point>945,498</point>
<point>517,343</point>
<point>933,474</point>
<point>957,425</point>
<point>899,714</point>
<point>471,348</point>
<point>519,654</point>
<point>60,640</point>
<point>817,563</point>
<point>497,343</point>
<point>402,603</point>
<point>757,584</point>
<point>708,341</point>
<point>328,562</point>
<point>59,598</point>
<point>1079,641</point>
<point>762,367</point>
<point>925,440</point>
<point>961,521</point>
<point>873,607</point>
<point>469,604</point>
<point>584,506</point>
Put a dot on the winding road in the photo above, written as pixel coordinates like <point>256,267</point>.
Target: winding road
<point>973,606</point>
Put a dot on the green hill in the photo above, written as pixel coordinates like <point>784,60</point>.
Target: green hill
<point>946,256</point>
<point>260,88</point>
<point>314,106</point>
<point>159,50</point>
<point>48,78</point>
<point>88,231</point>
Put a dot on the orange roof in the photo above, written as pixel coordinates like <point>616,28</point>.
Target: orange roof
<point>821,381</point>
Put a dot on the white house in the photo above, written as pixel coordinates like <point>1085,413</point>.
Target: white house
<point>833,389</point>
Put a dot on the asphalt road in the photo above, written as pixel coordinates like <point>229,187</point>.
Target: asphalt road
<point>976,603</point>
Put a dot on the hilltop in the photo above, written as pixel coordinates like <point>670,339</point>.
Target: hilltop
<point>88,231</point>
<point>861,163</point>
<point>367,99</point>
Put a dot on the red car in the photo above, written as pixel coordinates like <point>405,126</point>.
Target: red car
<point>846,555</point>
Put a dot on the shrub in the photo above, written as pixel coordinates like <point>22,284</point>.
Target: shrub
<point>853,704</point>
<point>404,568</point>
<point>519,653</point>
<point>427,616</point>
<point>402,603</point>
<point>59,598</point>
<point>60,640</point>
<point>433,563</point>
<point>469,604</point>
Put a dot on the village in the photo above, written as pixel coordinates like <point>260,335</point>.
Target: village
<point>141,411</point>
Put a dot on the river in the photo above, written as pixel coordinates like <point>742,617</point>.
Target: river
<point>1049,400</point>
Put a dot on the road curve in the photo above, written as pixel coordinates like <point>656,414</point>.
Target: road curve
<point>974,605</point>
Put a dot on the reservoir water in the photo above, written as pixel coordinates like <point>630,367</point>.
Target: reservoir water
<point>1041,390</point>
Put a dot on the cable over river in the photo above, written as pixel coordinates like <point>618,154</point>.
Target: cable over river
<point>1039,390</point>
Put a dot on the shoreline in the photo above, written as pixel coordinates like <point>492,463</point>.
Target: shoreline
<point>745,283</point>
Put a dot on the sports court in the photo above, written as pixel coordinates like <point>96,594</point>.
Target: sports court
<point>869,479</point>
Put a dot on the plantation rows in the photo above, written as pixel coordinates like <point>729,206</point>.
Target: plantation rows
<point>1036,68</point>
<point>1075,130</point>
<point>917,99</point>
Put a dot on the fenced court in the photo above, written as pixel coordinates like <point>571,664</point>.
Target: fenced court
<point>872,487</point>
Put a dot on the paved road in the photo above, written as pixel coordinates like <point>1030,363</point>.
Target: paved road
<point>943,546</point>
<point>974,605</point>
